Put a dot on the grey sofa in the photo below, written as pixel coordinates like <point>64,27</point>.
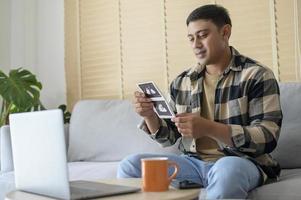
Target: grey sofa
<point>102,132</point>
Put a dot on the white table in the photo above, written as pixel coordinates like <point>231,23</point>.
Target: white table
<point>171,194</point>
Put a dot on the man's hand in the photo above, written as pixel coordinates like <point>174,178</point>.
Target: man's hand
<point>143,105</point>
<point>195,126</point>
<point>190,125</point>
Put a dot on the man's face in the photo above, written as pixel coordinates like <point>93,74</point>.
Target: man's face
<point>208,41</point>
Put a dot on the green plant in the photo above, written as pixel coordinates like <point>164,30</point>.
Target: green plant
<point>66,113</point>
<point>20,92</point>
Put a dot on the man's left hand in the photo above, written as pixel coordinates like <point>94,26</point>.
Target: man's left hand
<point>191,124</point>
<point>195,126</point>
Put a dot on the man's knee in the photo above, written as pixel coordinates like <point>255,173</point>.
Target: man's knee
<point>229,178</point>
<point>130,167</point>
<point>229,166</point>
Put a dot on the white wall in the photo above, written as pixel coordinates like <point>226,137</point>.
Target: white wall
<point>50,51</point>
<point>4,35</point>
<point>37,44</point>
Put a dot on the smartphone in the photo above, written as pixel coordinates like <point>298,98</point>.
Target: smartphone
<point>184,184</point>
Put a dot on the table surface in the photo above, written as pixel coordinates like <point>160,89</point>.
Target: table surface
<point>171,194</point>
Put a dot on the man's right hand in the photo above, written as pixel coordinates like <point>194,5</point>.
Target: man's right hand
<point>143,105</point>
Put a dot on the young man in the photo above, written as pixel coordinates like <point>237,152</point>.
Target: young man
<point>228,114</point>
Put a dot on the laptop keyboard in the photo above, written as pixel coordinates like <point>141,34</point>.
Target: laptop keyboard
<point>83,193</point>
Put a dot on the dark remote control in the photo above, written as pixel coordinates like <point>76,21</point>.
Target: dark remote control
<point>185,184</point>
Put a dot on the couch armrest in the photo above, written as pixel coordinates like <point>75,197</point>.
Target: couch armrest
<point>6,154</point>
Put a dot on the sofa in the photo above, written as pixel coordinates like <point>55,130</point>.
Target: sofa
<point>102,132</point>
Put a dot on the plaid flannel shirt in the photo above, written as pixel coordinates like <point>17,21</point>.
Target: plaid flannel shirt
<point>246,99</point>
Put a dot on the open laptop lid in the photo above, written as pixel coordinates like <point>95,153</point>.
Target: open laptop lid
<point>39,153</point>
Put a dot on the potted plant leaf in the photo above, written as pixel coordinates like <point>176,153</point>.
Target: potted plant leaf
<point>20,92</point>
<point>66,113</point>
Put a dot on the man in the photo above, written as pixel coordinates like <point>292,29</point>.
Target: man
<point>228,114</point>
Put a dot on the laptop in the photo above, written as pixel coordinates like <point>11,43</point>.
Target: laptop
<point>39,155</point>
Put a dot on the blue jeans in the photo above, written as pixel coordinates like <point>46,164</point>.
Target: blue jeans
<point>228,178</point>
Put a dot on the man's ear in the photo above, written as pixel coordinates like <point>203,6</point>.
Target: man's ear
<point>226,31</point>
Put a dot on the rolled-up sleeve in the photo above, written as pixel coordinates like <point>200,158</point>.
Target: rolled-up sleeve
<point>165,135</point>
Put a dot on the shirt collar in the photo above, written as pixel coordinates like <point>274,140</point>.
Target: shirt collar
<point>234,65</point>
<point>196,71</point>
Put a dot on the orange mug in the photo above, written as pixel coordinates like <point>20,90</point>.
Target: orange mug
<point>155,174</point>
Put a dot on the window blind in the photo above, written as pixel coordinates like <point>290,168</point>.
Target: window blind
<point>72,63</point>
<point>287,34</point>
<point>142,43</point>
<point>99,49</point>
<point>113,44</point>
<point>251,29</point>
<point>179,53</point>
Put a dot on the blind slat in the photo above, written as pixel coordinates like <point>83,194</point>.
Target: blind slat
<point>100,48</point>
<point>142,26</point>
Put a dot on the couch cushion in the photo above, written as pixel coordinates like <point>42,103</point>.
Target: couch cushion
<point>106,130</point>
<point>6,150</point>
<point>289,143</point>
<point>288,187</point>
<point>7,183</point>
<point>92,170</point>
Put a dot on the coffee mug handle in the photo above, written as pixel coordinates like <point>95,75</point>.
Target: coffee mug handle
<point>176,166</point>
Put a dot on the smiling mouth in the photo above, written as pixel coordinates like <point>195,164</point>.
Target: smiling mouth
<point>200,53</point>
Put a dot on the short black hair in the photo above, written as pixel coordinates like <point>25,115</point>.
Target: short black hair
<point>216,13</point>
